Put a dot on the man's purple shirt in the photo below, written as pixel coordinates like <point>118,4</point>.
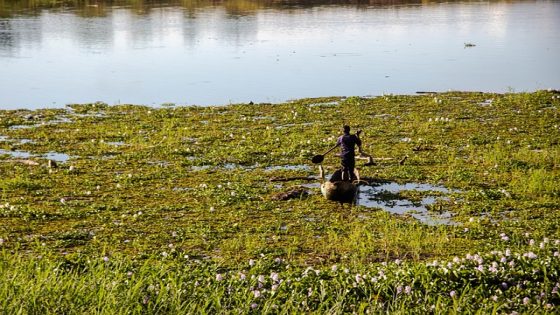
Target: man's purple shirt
<point>347,144</point>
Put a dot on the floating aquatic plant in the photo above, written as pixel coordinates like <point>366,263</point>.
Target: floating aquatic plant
<point>146,187</point>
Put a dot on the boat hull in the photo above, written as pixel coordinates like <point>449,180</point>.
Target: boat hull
<point>343,191</point>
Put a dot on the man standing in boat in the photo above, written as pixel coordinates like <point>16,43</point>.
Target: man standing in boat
<point>347,143</point>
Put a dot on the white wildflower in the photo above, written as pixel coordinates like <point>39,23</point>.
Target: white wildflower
<point>530,255</point>
<point>358,278</point>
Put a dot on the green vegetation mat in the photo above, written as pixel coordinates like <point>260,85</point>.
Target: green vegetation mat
<point>180,209</point>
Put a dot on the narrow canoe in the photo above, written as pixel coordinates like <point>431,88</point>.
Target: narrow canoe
<point>337,189</point>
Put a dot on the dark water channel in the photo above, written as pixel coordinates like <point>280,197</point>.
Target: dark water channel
<point>218,52</point>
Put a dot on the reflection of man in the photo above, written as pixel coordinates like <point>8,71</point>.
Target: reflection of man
<point>347,143</point>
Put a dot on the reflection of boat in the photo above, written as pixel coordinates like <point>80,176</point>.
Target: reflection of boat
<point>339,189</point>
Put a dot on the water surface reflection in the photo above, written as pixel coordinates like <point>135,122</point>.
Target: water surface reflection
<point>218,52</point>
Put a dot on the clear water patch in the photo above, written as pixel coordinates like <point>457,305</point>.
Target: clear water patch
<point>55,156</point>
<point>387,196</point>
<point>16,154</point>
<point>40,123</point>
<point>15,141</point>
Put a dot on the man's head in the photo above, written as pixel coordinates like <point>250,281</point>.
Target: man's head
<point>346,129</point>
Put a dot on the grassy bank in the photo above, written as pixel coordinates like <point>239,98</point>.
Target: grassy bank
<point>170,197</point>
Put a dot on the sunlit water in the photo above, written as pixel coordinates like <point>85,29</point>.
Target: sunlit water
<point>55,156</point>
<point>211,55</point>
<point>386,196</point>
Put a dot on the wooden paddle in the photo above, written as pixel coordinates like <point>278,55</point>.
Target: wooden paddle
<point>320,157</point>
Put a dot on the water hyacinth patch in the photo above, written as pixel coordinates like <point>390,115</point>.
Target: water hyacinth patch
<point>533,284</point>
<point>185,217</point>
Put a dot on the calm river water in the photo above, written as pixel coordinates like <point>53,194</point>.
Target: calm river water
<point>212,53</point>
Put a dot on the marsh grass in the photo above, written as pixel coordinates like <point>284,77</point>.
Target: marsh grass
<point>522,279</point>
<point>147,187</point>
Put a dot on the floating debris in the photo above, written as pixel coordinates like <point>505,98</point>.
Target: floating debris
<point>296,193</point>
